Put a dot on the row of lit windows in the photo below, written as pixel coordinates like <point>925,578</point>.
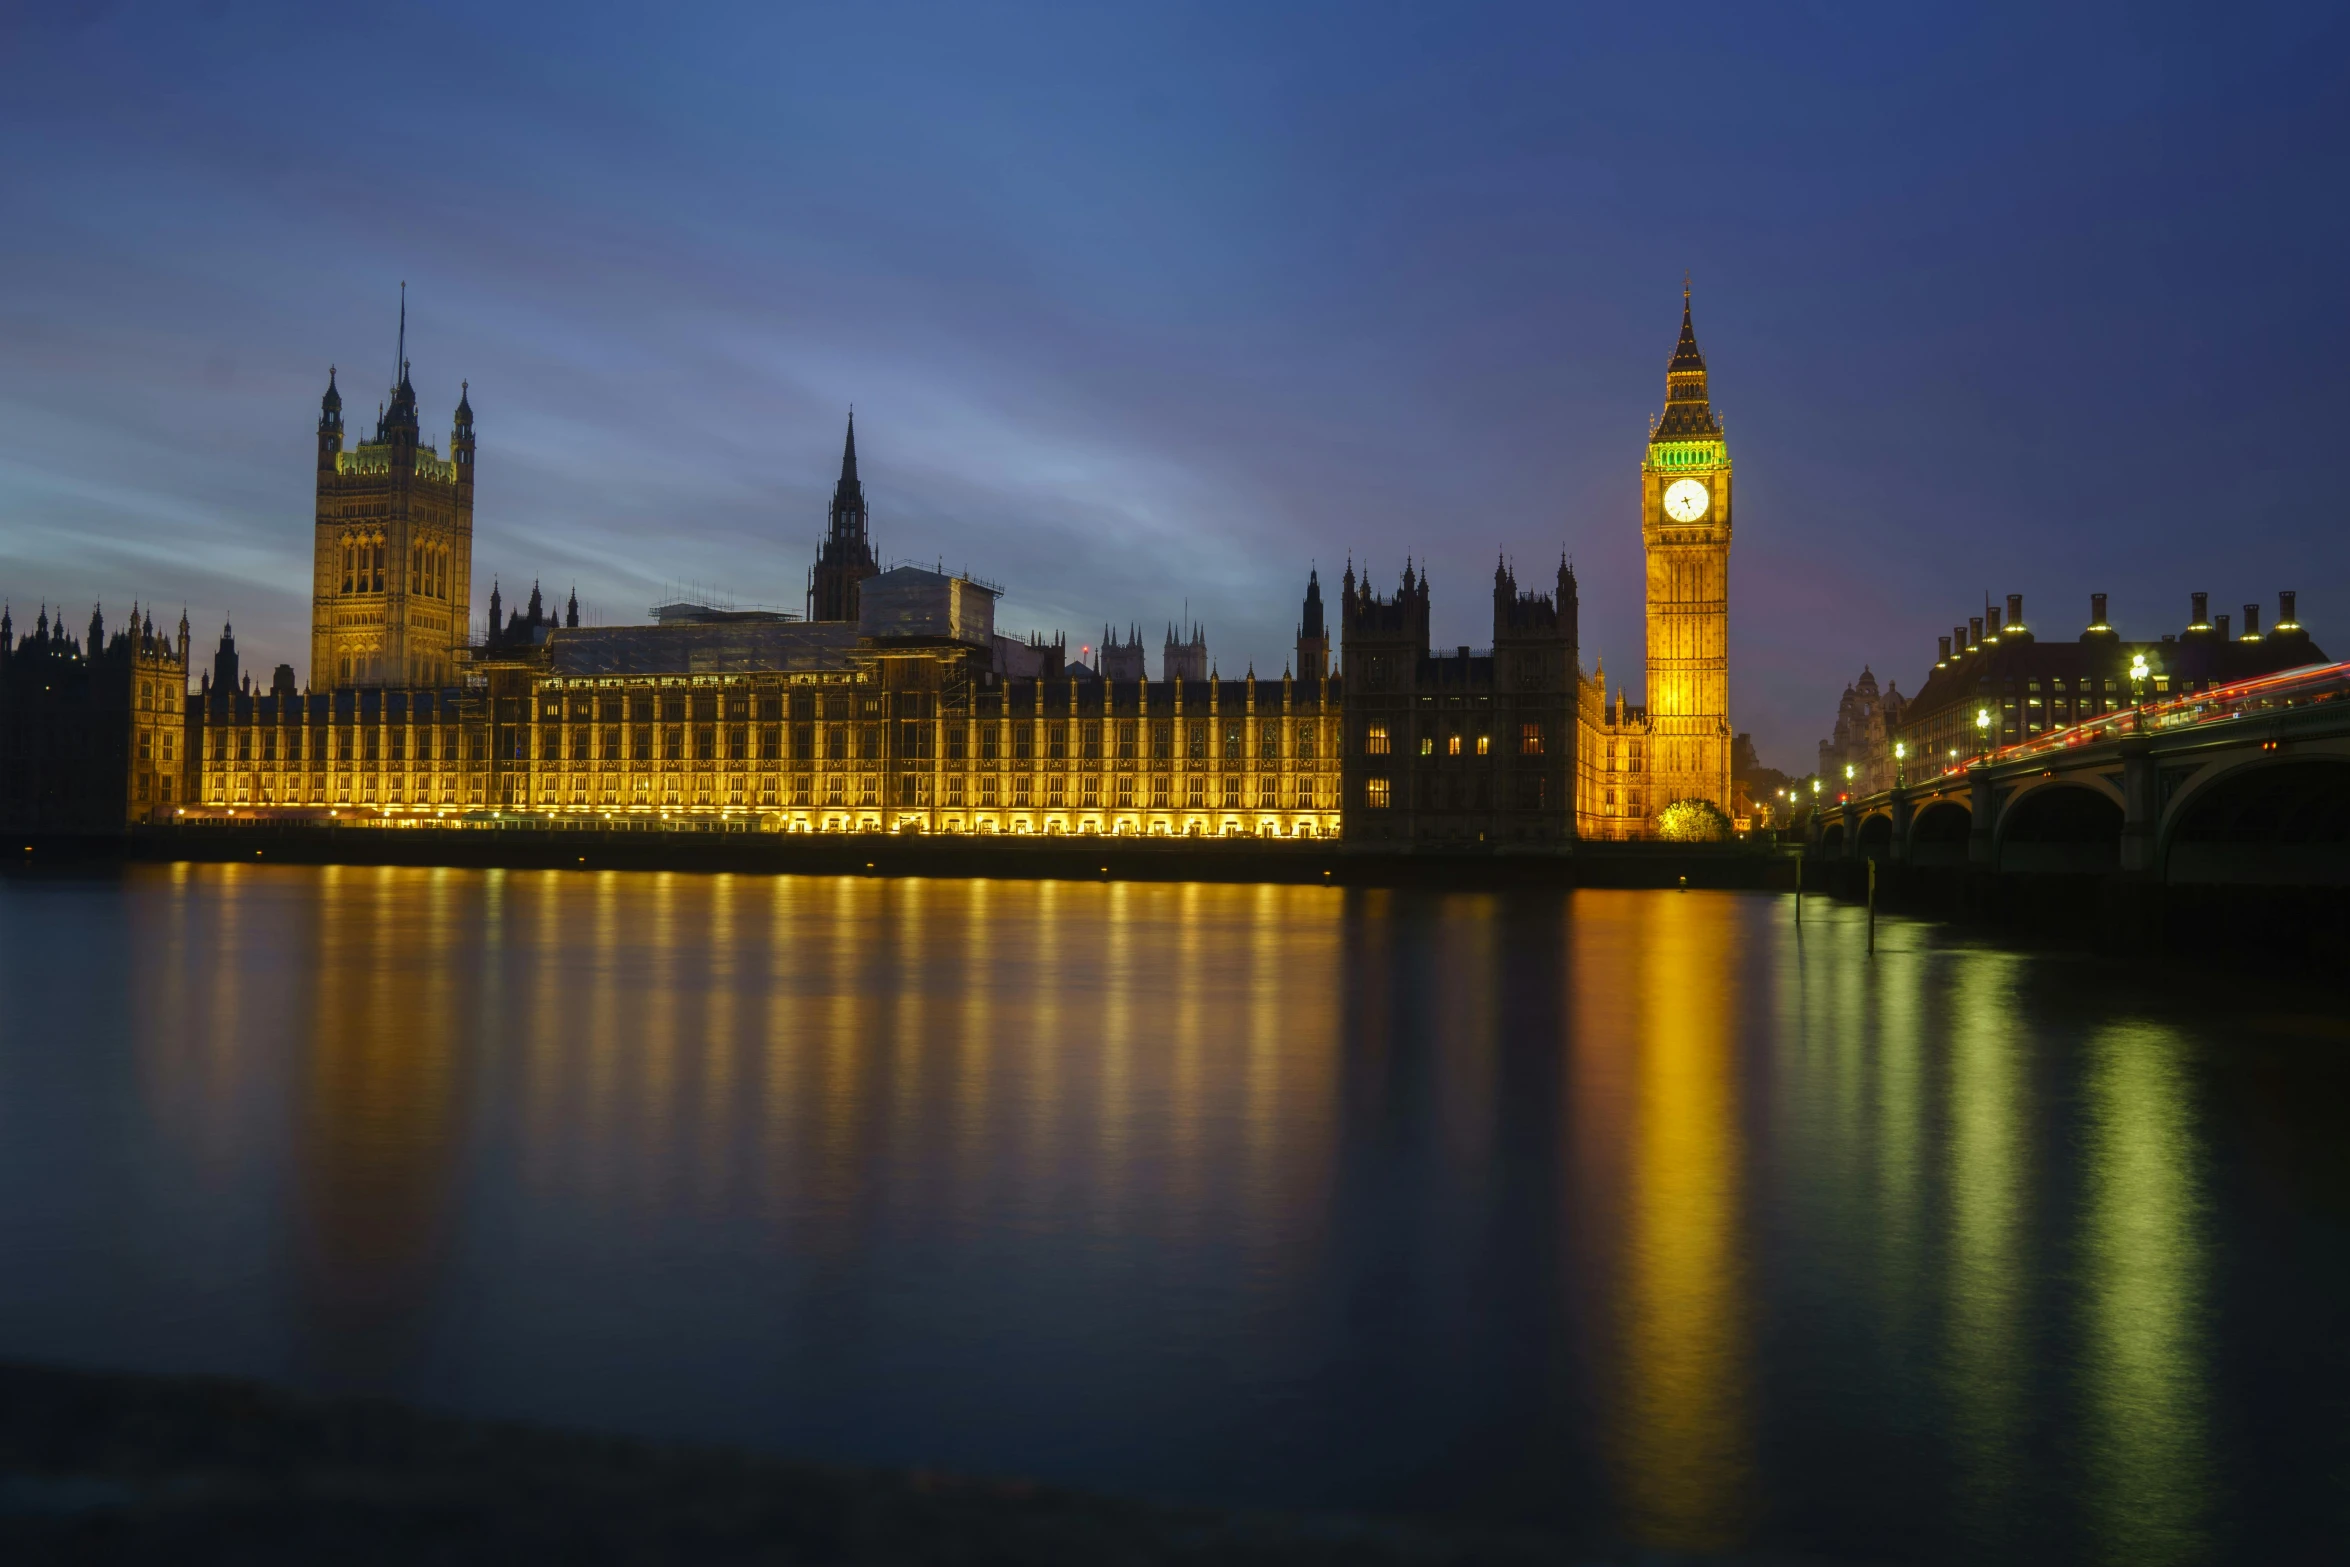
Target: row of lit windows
<point>1379,741</point>
<point>990,739</point>
<point>364,566</point>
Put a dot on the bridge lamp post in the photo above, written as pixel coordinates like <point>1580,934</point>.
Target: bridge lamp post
<point>1983,727</point>
<point>1900,761</point>
<point>2138,675</point>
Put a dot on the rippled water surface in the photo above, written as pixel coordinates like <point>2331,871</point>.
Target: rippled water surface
<point>1644,1217</point>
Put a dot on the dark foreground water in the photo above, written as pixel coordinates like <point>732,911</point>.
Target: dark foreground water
<point>1642,1217</point>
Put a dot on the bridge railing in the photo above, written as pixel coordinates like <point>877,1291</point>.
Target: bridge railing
<point>2302,687</point>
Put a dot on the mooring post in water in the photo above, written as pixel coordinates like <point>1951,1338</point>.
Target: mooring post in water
<point>1872,905</point>
<point>1799,889</point>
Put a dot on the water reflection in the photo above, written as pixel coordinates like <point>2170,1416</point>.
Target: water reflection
<point>1986,1373</point>
<point>2148,1363</point>
<point>1684,1437</point>
<point>1640,1217</point>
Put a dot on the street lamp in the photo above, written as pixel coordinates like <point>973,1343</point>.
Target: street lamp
<point>1983,727</point>
<point>1900,759</point>
<point>2138,675</point>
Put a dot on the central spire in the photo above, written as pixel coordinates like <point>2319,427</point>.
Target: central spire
<point>848,455</point>
<point>1688,413</point>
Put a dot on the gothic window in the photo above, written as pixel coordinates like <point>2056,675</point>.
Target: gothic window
<point>1092,741</point>
<point>1377,793</point>
<point>957,741</point>
<point>1305,742</point>
<point>1427,745</point>
<point>1023,742</point>
<point>1452,745</point>
<point>1057,740</point>
<point>770,740</point>
<point>1126,728</point>
<point>1195,791</point>
<point>1375,740</point>
<point>1484,744</point>
<point>1125,791</point>
<point>1021,787</point>
<point>1232,791</point>
<point>1163,740</point>
<point>1529,739</point>
<point>991,741</point>
<point>1233,739</point>
<point>1197,740</point>
<point>1159,792</point>
<point>1267,792</point>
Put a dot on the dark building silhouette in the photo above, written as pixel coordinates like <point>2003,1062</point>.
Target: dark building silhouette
<point>94,733</point>
<point>1460,747</point>
<point>845,561</point>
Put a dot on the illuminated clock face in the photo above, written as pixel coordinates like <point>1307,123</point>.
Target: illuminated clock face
<point>1686,500</point>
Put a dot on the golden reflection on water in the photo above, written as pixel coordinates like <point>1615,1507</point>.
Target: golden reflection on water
<point>2147,1438</point>
<point>834,1064</point>
<point>1657,992</point>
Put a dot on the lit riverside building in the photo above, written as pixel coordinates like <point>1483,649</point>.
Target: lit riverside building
<point>895,706</point>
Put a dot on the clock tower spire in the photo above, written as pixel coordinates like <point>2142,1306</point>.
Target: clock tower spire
<point>1685,530</point>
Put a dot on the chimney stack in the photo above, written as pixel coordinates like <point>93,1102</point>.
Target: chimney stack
<point>1991,624</point>
<point>2219,623</point>
<point>2015,612</point>
<point>1944,656</point>
<point>1974,639</point>
<point>2285,620</point>
<point>2096,610</point>
<point>2252,622</point>
<point>1958,639</point>
<point>2202,616</point>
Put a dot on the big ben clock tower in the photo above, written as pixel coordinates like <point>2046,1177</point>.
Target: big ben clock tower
<point>1685,528</point>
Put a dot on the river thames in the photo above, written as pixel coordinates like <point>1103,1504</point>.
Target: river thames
<point>1650,1219</point>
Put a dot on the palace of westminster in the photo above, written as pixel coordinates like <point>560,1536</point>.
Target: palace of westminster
<point>892,705</point>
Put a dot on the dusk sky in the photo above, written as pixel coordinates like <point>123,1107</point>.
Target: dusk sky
<point>1140,306</point>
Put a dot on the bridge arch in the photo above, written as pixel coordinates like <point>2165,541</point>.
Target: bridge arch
<point>1832,838</point>
<point>2268,817</point>
<point>1876,836</point>
<point>2065,825</point>
<point>1939,831</point>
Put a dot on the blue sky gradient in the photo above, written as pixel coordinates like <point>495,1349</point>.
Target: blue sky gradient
<point>1142,307</point>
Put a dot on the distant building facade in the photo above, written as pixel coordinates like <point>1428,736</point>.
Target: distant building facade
<point>1867,723</point>
<point>1995,683</point>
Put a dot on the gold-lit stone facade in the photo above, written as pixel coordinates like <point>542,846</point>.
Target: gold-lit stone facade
<point>902,741</point>
<point>1685,495</point>
<point>392,549</point>
<point>895,708</point>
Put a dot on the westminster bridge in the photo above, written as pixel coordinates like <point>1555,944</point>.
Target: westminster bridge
<point>2240,786</point>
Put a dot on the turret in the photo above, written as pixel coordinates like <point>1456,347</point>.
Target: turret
<point>571,612</point>
<point>224,660</point>
<point>330,424</point>
<point>1313,634</point>
<point>497,627</point>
